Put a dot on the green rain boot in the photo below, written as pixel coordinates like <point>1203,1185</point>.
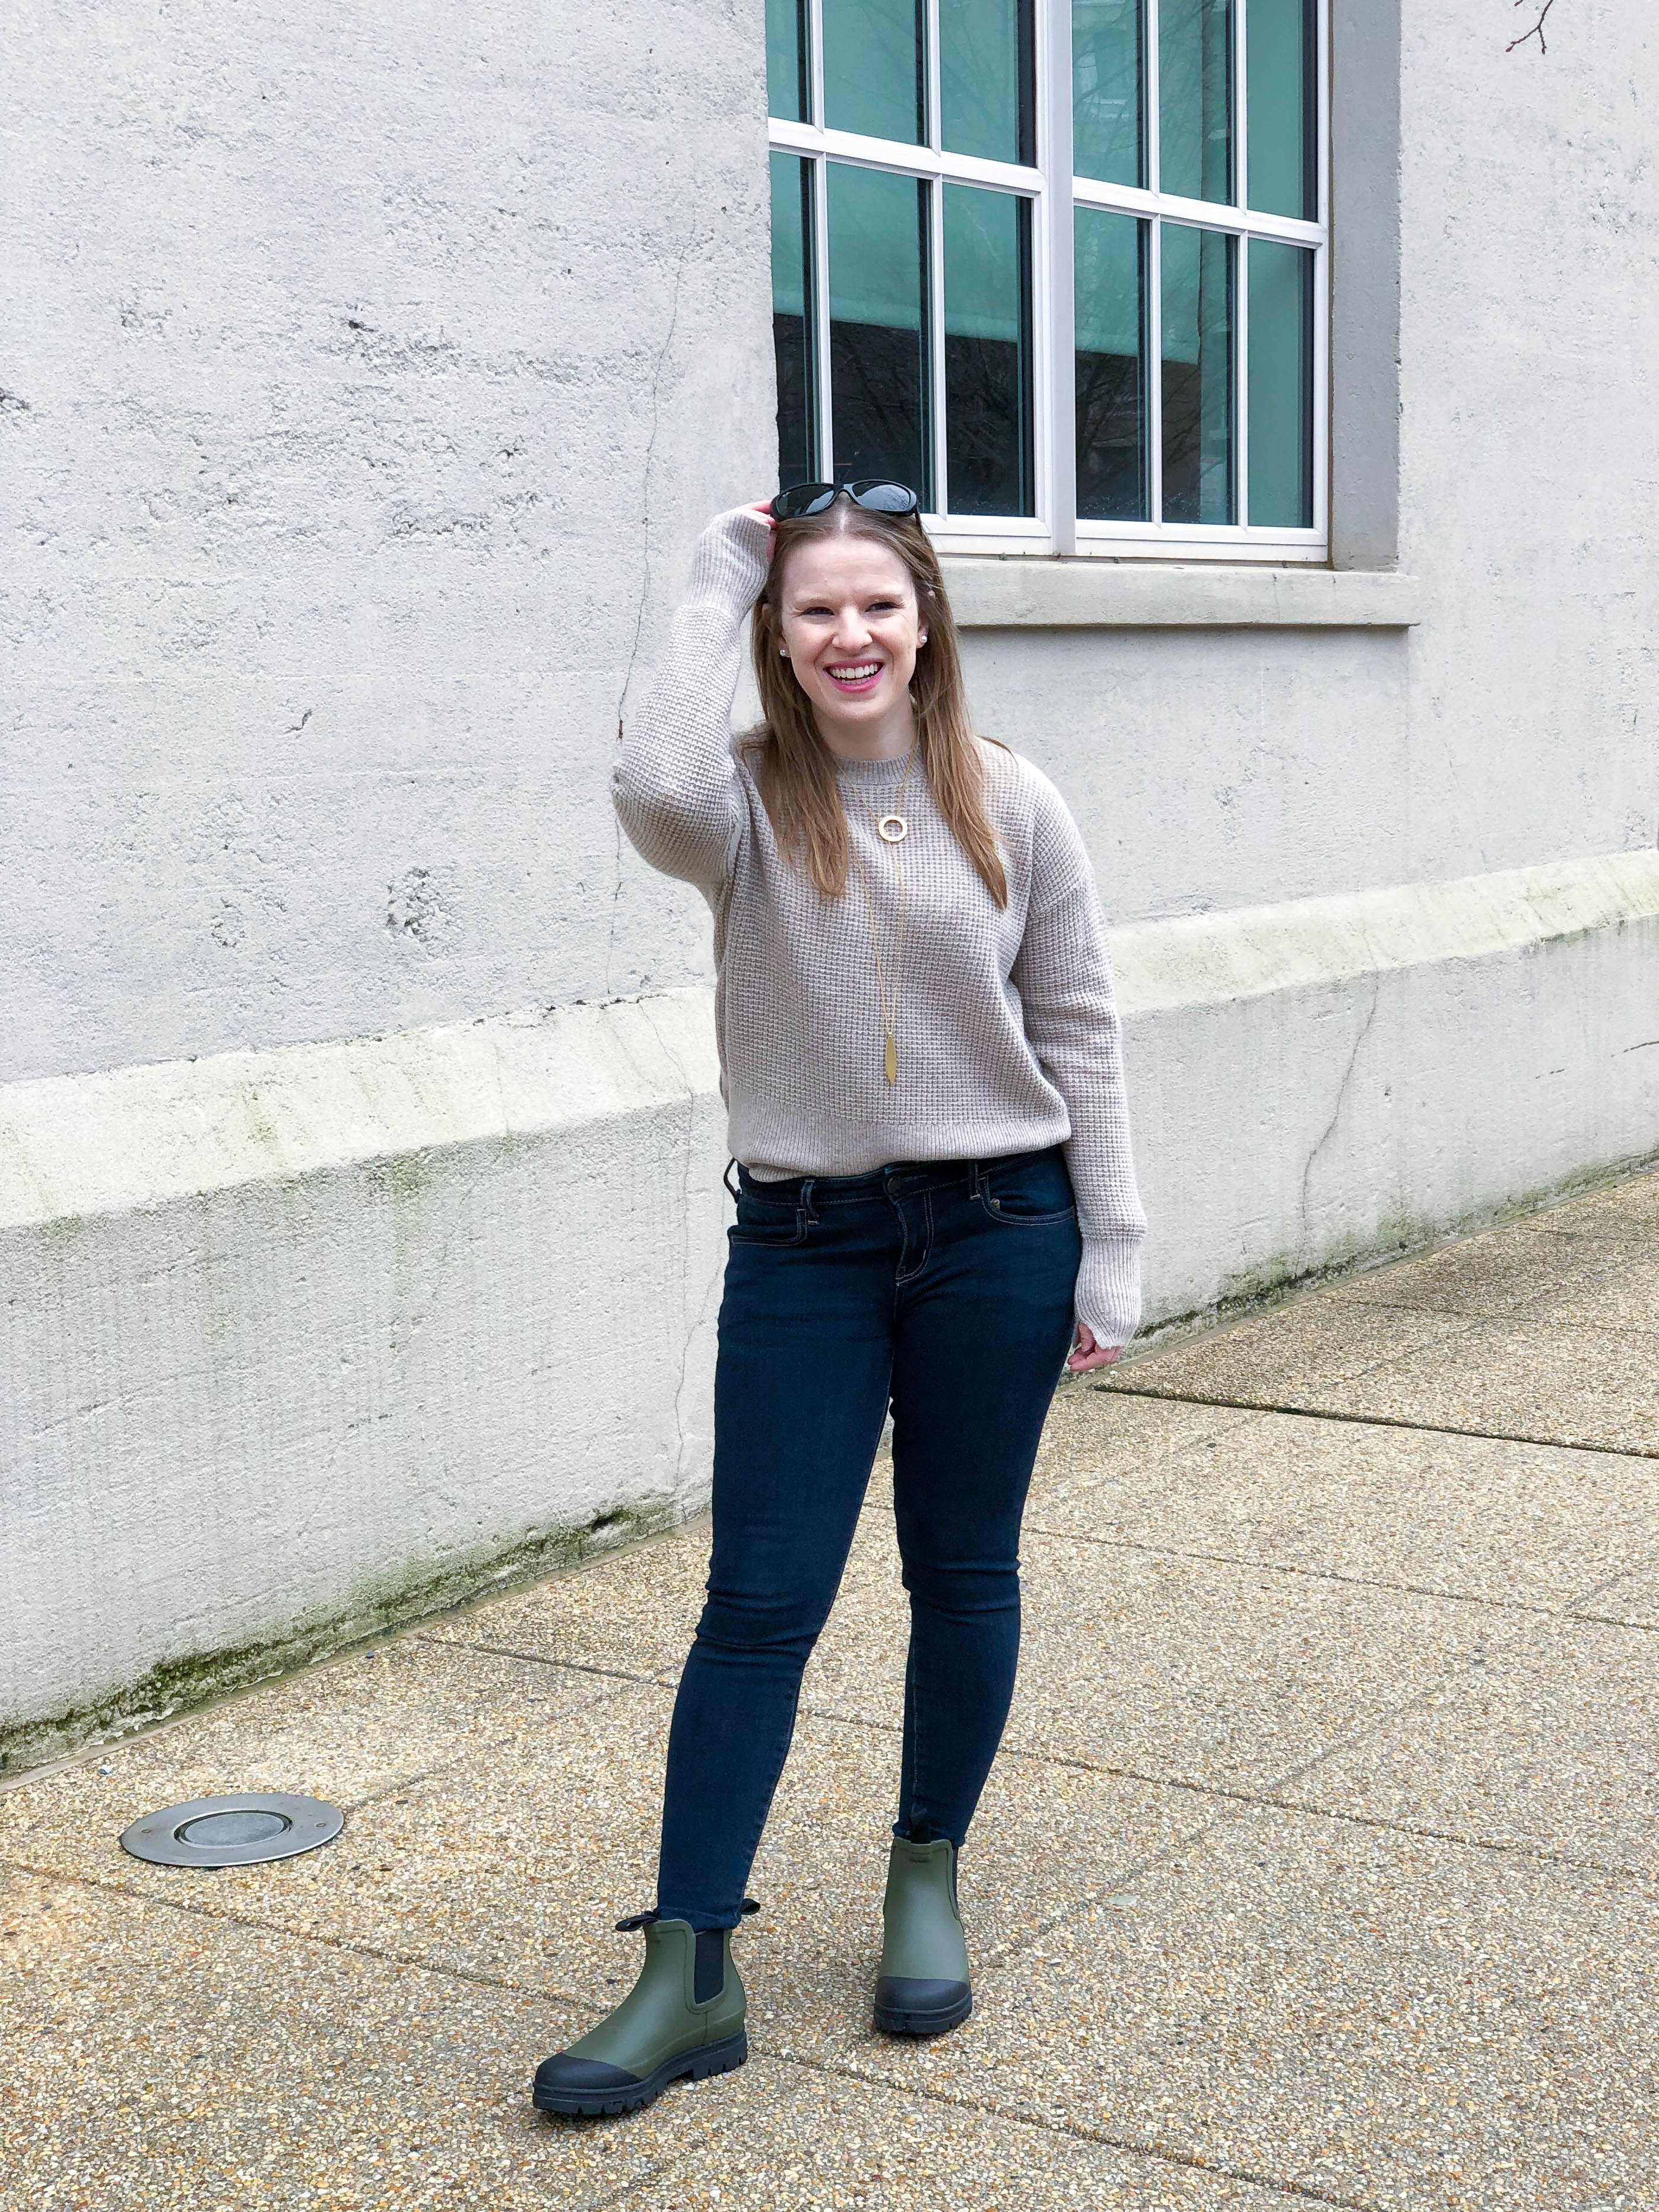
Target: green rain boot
<point>922,1988</point>
<point>684,2016</point>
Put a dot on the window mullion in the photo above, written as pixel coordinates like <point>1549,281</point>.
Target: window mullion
<point>1240,118</point>
<point>1240,362</point>
<point>935,105</point>
<point>935,338</point>
<point>933,333</point>
<point>1242,381</point>
<point>1152,339</point>
<point>821,319</point>
<point>1153,311</point>
<point>1054,310</point>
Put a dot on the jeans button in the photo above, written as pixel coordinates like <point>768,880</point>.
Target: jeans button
<point>892,1186</point>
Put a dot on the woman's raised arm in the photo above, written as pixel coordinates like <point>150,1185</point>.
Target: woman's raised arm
<point>676,789</point>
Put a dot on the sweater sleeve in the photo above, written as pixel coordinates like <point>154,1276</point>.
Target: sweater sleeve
<point>1063,974</point>
<point>676,786</point>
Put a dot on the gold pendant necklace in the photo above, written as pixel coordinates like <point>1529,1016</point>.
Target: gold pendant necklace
<point>892,829</point>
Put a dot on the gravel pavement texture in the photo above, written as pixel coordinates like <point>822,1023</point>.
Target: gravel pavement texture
<point>1320,1868</point>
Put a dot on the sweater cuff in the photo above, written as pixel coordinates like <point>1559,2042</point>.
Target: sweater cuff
<point>1109,1289</point>
<point>729,565</point>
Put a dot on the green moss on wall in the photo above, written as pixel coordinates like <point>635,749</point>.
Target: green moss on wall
<point>384,1602</point>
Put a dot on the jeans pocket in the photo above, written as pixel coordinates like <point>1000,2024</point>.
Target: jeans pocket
<point>766,1223</point>
<point>1033,1191</point>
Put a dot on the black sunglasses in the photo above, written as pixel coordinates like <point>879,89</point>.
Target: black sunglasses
<point>876,494</point>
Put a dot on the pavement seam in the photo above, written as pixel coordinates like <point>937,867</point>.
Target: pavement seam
<point>201,1910</point>
<point>1376,1420</point>
<point>1078,2130</point>
<point>1319,1574</point>
<point>1647,1560</point>
<point>540,1659</point>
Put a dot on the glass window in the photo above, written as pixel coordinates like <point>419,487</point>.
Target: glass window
<point>785,59</point>
<point>1110,252</point>
<point>987,351</point>
<point>1108,140</point>
<point>954,307</point>
<point>1280,41</point>
<point>986,66</point>
<point>1196,98</point>
<point>1196,369</point>
<point>1278,386</point>
<point>873,77</point>
<point>879,377</point>
<point>793,336</point>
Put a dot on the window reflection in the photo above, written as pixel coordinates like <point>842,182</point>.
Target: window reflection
<point>988,352</point>
<point>1196,98</point>
<point>791,319</point>
<point>877,348</point>
<point>1111,367</point>
<point>1197,380</point>
<point>873,77</point>
<point>1107,39</point>
<point>785,60</point>
<point>1279,383</point>
<point>986,62</point>
<point>1279,39</point>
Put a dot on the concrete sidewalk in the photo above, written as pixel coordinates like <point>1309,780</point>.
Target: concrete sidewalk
<point>1321,1865</point>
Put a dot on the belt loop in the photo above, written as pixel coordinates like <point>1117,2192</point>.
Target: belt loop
<point>807,1199</point>
<point>978,1167</point>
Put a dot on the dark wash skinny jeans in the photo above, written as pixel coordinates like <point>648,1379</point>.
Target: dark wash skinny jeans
<point>946,1287</point>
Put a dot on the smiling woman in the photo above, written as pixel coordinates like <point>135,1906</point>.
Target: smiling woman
<point>936,1212</point>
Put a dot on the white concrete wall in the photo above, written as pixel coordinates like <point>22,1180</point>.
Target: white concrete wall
<point>369,370</point>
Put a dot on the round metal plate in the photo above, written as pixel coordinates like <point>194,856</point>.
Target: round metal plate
<point>239,1831</point>
<point>893,828</point>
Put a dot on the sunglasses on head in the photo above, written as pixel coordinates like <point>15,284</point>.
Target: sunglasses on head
<point>876,494</point>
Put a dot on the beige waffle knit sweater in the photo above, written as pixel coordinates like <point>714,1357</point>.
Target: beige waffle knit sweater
<point>1008,1030</point>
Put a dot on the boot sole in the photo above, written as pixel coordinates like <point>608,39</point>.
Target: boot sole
<point>895,2020</point>
<point>593,2104</point>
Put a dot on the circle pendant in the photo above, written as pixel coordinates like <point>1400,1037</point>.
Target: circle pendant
<point>894,829</point>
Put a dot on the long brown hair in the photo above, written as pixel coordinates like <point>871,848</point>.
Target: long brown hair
<point>793,766</point>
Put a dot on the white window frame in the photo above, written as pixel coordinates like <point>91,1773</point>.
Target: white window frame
<point>1054,191</point>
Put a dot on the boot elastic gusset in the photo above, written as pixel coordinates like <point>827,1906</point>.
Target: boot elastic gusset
<point>658,2034</point>
<point>923,1988</point>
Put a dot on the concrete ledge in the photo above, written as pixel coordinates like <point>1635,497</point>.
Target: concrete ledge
<point>1012,591</point>
<point>298,1345</point>
<point>1250,950</point>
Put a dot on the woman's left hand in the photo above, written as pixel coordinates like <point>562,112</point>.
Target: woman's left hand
<point>1086,1353</point>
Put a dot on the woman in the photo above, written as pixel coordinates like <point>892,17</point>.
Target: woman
<point>936,1202</point>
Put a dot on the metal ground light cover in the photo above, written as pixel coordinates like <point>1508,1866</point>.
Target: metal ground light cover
<point>241,1830</point>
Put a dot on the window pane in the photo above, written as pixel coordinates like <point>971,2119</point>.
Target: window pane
<point>1197,387</point>
<point>877,350</point>
<point>1281,385</point>
<point>1107,37</point>
<point>986,88</point>
<point>872,78</point>
<point>1279,41</point>
<point>1196,98</point>
<point>1111,367</point>
<point>988,352</point>
<point>785,59</point>
<point>791,319</point>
